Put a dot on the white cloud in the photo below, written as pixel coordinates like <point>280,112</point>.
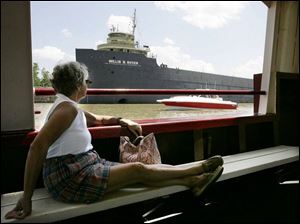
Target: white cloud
<point>169,41</point>
<point>246,70</point>
<point>48,56</point>
<point>170,6</point>
<point>48,52</point>
<point>66,33</point>
<point>175,58</point>
<point>121,23</point>
<point>205,14</point>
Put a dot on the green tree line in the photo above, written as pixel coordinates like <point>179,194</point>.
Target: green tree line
<point>37,81</point>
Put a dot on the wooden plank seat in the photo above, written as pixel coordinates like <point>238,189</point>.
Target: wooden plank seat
<point>45,209</point>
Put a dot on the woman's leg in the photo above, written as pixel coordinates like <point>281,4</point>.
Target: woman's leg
<point>154,175</point>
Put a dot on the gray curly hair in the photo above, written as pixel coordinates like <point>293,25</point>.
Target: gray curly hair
<point>68,76</point>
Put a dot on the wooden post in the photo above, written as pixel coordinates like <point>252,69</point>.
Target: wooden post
<point>256,87</point>
<point>242,137</point>
<point>198,145</point>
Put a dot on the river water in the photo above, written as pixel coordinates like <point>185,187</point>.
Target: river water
<point>143,111</point>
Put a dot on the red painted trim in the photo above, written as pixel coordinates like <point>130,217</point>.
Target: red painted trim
<point>41,91</point>
<point>170,125</point>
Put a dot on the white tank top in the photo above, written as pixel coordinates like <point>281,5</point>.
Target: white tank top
<point>76,138</point>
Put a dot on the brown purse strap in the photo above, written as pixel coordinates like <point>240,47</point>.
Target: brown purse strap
<point>137,140</point>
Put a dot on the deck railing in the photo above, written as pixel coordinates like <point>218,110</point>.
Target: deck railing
<point>42,91</point>
<point>167,125</point>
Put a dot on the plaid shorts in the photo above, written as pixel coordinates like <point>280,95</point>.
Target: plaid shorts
<point>77,178</point>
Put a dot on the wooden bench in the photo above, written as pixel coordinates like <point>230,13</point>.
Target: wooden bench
<point>45,209</point>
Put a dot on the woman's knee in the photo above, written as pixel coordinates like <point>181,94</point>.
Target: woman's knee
<point>137,169</point>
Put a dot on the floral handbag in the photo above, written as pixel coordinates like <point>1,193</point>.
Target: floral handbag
<point>142,149</point>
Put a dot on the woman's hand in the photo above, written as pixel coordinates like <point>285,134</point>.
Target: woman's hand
<point>134,127</point>
<point>22,209</point>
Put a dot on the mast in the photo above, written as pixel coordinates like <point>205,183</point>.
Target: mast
<point>134,22</point>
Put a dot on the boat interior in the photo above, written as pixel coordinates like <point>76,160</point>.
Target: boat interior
<point>261,150</point>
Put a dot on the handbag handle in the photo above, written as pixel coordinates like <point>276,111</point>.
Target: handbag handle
<point>137,140</point>
<point>132,132</point>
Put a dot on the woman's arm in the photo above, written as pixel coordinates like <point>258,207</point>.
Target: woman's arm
<point>59,121</point>
<point>96,120</point>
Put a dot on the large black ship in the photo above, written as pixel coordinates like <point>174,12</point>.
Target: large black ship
<point>121,63</point>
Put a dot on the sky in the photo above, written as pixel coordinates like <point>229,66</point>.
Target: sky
<point>225,38</point>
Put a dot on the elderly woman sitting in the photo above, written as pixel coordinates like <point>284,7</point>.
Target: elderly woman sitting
<point>72,169</point>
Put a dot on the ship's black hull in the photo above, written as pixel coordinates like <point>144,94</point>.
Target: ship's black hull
<point>135,71</point>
